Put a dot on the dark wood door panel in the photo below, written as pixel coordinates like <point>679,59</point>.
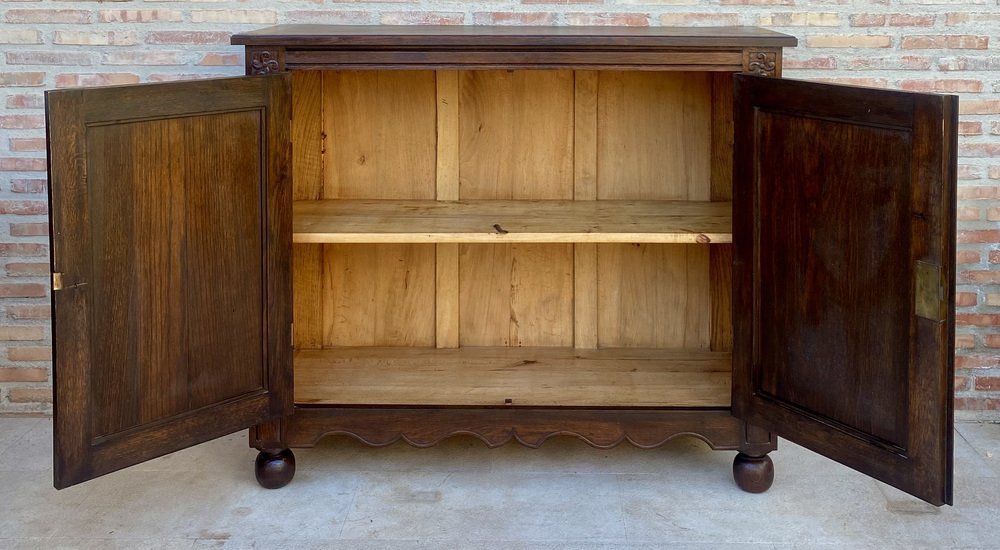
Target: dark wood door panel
<point>171,230</point>
<point>840,193</point>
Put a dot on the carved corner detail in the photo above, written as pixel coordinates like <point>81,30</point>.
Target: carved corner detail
<point>264,62</point>
<point>761,63</point>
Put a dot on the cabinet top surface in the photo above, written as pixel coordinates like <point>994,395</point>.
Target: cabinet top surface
<point>451,36</point>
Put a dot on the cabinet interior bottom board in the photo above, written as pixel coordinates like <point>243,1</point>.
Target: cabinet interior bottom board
<point>513,376</point>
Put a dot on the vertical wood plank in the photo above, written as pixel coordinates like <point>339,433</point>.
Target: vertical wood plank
<point>721,256</point>
<point>516,142</point>
<point>585,188</point>
<point>307,184</point>
<point>447,298</point>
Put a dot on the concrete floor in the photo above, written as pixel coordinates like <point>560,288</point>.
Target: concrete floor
<point>462,495</point>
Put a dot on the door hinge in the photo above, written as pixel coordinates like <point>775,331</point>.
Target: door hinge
<point>57,282</point>
<point>929,295</point>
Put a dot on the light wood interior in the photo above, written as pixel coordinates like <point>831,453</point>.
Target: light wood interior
<point>515,376</point>
<point>467,211</point>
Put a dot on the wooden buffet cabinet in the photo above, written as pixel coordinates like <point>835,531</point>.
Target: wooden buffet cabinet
<point>617,234</point>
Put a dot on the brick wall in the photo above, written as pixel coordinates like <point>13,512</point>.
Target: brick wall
<point>925,45</point>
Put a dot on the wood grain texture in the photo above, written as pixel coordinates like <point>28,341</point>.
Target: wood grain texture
<point>379,295</point>
<point>721,257</point>
<point>516,134</point>
<point>168,357</point>
<point>380,128</point>
<point>832,356</point>
<point>506,221</point>
<point>521,376</point>
<point>516,295</point>
<point>446,300</point>
<point>307,184</point>
<point>654,136</point>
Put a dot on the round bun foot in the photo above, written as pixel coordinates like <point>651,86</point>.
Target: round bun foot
<point>753,474</point>
<point>274,470</point>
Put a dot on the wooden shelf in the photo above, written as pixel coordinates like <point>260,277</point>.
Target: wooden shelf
<point>488,376</point>
<point>426,221</point>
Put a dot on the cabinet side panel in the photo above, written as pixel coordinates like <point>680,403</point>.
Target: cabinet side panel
<point>378,295</point>
<point>516,142</point>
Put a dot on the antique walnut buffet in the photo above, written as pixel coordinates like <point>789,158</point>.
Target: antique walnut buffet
<point>618,234</point>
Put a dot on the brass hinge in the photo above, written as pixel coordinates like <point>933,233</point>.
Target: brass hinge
<point>929,294</point>
<point>57,283</point>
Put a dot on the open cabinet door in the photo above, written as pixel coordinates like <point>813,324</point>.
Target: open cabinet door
<point>844,209</point>
<point>171,237</point>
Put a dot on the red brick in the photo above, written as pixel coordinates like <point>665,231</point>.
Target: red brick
<point>975,403</point>
<point>977,361</point>
<point>908,20</point>
<point>25,101</point>
<point>982,192</point>
<point>969,128</point>
<point>961,383</point>
<point>21,333</point>
<point>258,17</point>
<point>995,172</point>
<point>965,299</point>
<point>608,19</point>
<point>173,77</point>
<point>966,172</point>
<point>902,63</point>
<point>979,150</point>
<point>422,18</point>
<point>29,354</point>
<point>29,229</point>
<point>22,79</point>
<point>109,38</point>
<point>992,340</point>
<point>221,59</point>
<point>24,208</point>
<point>965,85</point>
<point>22,269</point>
<point>967,257</point>
<point>27,186</point>
<point>848,41</point>
<point>995,128</point>
<point>977,319</point>
<point>953,19</point>
<point>825,62</point>
<point>20,37</point>
<point>868,20</point>
<point>30,395</point>
<point>994,256</point>
<point>23,375</point>
<point>47,16</point>
<point>988,383</point>
<point>8,122</point>
<point>22,164</point>
<point>23,290</point>
<point>993,214</point>
<point>980,277</point>
<point>513,18</point>
<point>22,312</point>
<point>968,213</point>
<point>142,58</point>
<point>965,341</point>
<point>29,145</point>
<point>964,63</point>
<point>693,19</point>
<point>140,16</point>
<point>95,79</point>
<point>338,17</point>
<point>952,41</point>
<point>857,81</point>
<point>23,250</point>
<point>188,37</point>
<point>49,58</point>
